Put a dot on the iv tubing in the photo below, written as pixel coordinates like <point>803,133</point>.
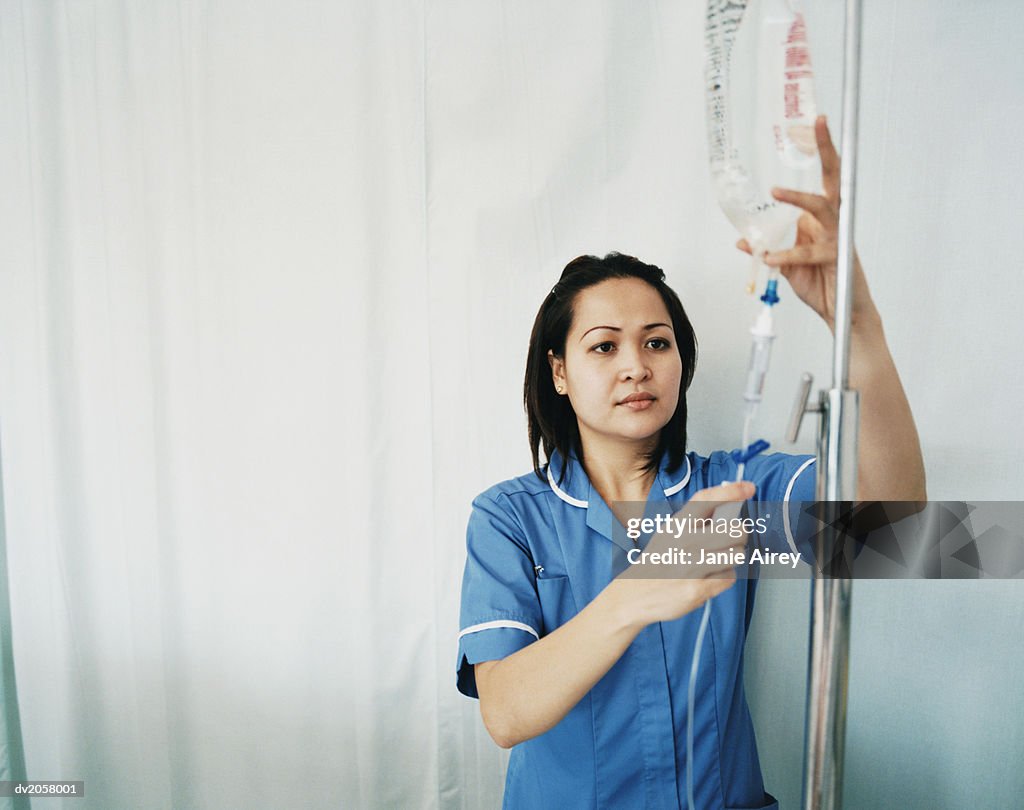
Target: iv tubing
<point>763,334</point>
<point>691,698</point>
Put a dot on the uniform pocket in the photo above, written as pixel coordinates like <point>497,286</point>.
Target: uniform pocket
<point>557,604</point>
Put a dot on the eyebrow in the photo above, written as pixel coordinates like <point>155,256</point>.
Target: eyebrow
<point>647,328</point>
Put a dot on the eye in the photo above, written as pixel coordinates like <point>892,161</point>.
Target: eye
<point>658,344</point>
<point>603,348</point>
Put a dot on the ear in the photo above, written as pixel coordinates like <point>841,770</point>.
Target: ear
<point>557,372</point>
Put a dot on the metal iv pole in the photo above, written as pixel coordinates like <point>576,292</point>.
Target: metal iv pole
<point>828,660</point>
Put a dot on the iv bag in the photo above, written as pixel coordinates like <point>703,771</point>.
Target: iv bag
<point>760,115</point>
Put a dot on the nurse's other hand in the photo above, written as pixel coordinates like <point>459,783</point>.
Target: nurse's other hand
<point>703,563</point>
<point>810,265</point>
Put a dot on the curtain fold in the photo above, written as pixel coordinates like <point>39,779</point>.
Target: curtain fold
<point>12,753</point>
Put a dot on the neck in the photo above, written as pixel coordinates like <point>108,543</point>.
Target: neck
<point>616,470</point>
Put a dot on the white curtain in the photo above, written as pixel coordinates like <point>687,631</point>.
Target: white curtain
<point>267,275</point>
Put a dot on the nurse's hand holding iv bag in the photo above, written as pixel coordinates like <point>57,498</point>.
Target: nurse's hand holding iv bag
<point>810,265</point>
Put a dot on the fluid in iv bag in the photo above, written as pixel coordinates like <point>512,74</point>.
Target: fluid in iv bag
<point>760,115</point>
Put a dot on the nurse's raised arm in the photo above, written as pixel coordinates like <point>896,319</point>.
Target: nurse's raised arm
<point>890,466</point>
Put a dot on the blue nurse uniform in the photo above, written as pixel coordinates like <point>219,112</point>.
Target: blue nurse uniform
<point>538,552</point>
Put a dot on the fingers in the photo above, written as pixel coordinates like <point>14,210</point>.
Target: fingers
<point>719,585</point>
<point>711,497</point>
<point>830,163</point>
<point>723,564</point>
<point>815,204</point>
<point>824,207</point>
<point>729,491</point>
<point>720,581</point>
<point>716,553</point>
<point>816,253</point>
<point>724,548</point>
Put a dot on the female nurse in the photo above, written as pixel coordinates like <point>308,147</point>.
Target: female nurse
<point>584,675</point>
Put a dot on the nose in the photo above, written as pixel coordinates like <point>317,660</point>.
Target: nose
<point>634,366</point>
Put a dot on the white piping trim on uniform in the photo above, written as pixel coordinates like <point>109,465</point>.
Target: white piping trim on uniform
<point>565,496</point>
<point>476,628</point>
<point>785,500</point>
<point>672,490</point>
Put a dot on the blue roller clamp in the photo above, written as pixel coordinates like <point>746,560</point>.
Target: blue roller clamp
<point>743,456</point>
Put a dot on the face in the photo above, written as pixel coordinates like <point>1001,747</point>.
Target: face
<point>621,369</point>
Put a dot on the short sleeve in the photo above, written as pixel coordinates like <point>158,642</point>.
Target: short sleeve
<point>790,481</point>
<point>783,477</point>
<point>500,611</point>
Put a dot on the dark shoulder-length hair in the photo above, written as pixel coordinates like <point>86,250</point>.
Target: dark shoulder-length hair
<point>551,418</point>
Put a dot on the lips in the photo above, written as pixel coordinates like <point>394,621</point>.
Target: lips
<point>639,396</point>
<point>640,401</point>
